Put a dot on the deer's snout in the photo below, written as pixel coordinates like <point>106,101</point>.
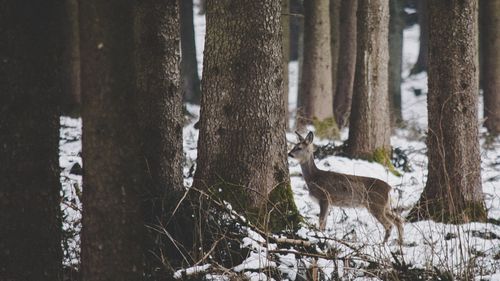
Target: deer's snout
<point>290,154</point>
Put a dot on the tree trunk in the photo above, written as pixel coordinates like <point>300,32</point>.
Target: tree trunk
<point>453,190</point>
<point>346,62</point>
<point>189,65</point>
<point>316,81</point>
<point>396,26</point>
<point>334,41</point>
<point>423,21</point>
<point>71,90</point>
<point>160,112</point>
<point>285,23</point>
<point>115,170</point>
<point>370,129</point>
<point>490,44</point>
<point>31,90</point>
<point>242,145</point>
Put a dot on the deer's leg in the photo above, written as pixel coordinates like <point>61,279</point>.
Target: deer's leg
<point>398,222</point>
<point>379,214</point>
<point>324,207</point>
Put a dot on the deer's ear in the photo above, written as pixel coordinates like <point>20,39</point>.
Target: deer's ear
<point>309,138</point>
<point>301,139</point>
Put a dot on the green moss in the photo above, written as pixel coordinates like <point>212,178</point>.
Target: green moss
<point>326,128</point>
<point>438,210</point>
<point>286,215</point>
<point>383,156</point>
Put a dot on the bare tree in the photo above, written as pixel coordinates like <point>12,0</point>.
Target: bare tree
<point>396,26</point>
<point>453,190</point>
<point>31,87</point>
<point>369,130</point>
<point>189,64</point>
<point>423,22</point>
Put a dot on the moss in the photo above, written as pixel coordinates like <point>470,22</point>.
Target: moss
<point>326,128</point>
<point>438,210</point>
<point>286,216</point>
<point>382,156</point>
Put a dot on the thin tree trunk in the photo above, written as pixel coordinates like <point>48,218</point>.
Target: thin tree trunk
<point>316,84</point>
<point>370,130</point>
<point>346,62</point>
<point>242,148</point>
<point>285,22</point>
<point>453,190</point>
<point>71,90</point>
<point>189,65</point>
<point>423,21</point>
<point>160,111</point>
<point>396,26</point>
<point>490,37</point>
<point>115,171</point>
<point>334,41</point>
<point>31,90</point>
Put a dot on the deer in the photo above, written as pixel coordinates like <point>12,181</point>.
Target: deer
<point>342,190</point>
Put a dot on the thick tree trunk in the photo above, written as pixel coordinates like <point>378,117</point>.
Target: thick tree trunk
<point>242,145</point>
<point>115,170</point>
<point>316,81</point>
<point>71,90</point>
<point>346,62</point>
<point>189,65</point>
<point>31,69</point>
<point>285,23</point>
<point>160,108</point>
<point>453,190</point>
<point>490,45</point>
<point>396,26</point>
<point>423,21</point>
<point>370,129</point>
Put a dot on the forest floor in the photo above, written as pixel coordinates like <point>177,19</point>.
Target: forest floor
<point>468,251</point>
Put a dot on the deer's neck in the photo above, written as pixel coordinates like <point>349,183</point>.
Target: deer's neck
<point>309,168</point>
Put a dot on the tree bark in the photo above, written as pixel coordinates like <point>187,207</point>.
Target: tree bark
<point>453,190</point>
<point>71,90</point>
<point>316,81</point>
<point>31,90</point>
<point>115,170</point>
<point>242,145</point>
<point>157,30</point>
<point>396,26</point>
<point>346,62</point>
<point>423,21</point>
<point>285,22</point>
<point>370,130</point>
<point>189,65</point>
<point>490,44</point>
<point>334,41</point>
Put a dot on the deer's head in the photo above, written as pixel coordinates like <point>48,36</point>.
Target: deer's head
<point>303,150</point>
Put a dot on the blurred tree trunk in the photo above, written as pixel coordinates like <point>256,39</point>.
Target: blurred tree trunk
<point>32,45</point>
<point>370,128</point>
<point>71,90</point>
<point>423,21</point>
<point>242,145</point>
<point>157,30</point>
<point>189,64</point>
<point>334,41</point>
<point>346,62</point>
<point>115,171</point>
<point>490,46</point>
<point>285,23</point>
<point>316,81</point>
<point>396,26</point>
<point>453,190</point>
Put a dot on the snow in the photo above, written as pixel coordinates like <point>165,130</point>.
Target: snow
<point>352,233</point>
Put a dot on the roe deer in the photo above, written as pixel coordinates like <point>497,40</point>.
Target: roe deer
<point>336,189</point>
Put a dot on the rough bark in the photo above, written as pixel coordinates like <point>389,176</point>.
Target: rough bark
<point>423,21</point>
<point>71,89</point>
<point>160,112</point>
<point>346,61</point>
<point>316,81</point>
<point>453,190</point>
<point>242,148</point>
<point>490,44</point>
<point>31,70</point>
<point>285,23</point>
<point>369,130</point>
<point>396,26</point>
<point>115,170</point>
<point>189,65</point>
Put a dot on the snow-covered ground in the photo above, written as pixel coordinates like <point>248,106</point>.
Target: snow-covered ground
<point>473,247</point>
